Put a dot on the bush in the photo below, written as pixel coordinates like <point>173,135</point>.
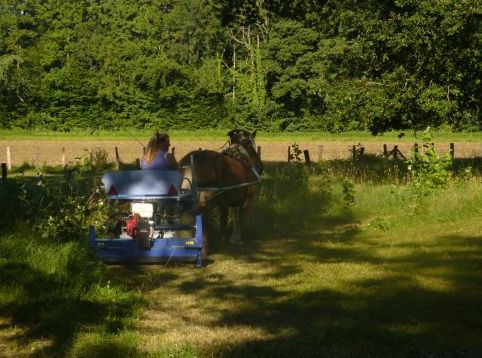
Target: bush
<point>427,170</point>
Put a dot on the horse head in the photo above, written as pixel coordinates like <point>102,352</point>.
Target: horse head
<point>244,143</point>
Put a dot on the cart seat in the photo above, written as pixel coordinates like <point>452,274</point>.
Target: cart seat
<point>142,184</point>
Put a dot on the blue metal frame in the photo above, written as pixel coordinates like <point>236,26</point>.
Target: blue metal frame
<point>161,250</point>
<point>150,186</point>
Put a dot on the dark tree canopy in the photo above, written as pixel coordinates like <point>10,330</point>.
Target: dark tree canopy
<point>269,64</point>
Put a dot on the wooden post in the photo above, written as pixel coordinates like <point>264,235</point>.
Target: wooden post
<point>117,159</point>
<point>415,148</point>
<point>307,157</point>
<point>63,156</point>
<point>354,152</point>
<point>289,154</point>
<point>9,159</point>
<point>452,151</point>
<point>385,151</point>
<point>320,152</point>
<point>138,163</point>
<point>173,149</point>
<point>395,152</point>
<point>4,172</point>
<point>259,151</point>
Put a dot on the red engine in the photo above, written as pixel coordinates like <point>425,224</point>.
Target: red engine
<point>132,225</point>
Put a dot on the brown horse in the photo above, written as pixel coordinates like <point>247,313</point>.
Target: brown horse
<point>228,179</point>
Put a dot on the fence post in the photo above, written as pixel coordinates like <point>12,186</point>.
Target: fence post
<point>9,159</point>
<point>354,152</point>
<point>289,154</point>
<point>307,157</point>
<point>259,151</point>
<point>173,149</point>
<point>4,172</point>
<point>320,152</point>
<point>385,151</point>
<point>138,163</point>
<point>452,151</point>
<point>395,152</point>
<point>117,159</point>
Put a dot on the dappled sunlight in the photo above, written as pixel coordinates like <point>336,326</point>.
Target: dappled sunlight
<point>163,328</point>
<point>341,290</point>
<point>316,276</point>
<point>47,299</point>
<point>14,340</point>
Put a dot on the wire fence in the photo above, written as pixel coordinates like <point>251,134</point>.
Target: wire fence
<point>38,153</point>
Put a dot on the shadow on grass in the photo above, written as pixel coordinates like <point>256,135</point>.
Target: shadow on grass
<point>143,276</point>
<point>292,205</point>
<point>397,313</point>
<point>58,302</point>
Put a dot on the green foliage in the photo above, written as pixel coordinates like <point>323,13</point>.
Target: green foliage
<point>59,208</point>
<point>51,286</point>
<point>427,170</point>
<point>348,188</point>
<point>303,65</point>
<point>295,153</point>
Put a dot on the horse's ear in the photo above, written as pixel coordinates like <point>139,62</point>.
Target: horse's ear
<point>254,133</point>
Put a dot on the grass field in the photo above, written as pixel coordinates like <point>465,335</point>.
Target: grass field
<point>220,134</point>
<point>346,260</point>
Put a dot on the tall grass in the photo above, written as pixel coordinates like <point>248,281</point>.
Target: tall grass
<point>55,291</point>
<point>52,290</point>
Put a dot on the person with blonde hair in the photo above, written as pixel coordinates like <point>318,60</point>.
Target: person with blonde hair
<point>157,156</point>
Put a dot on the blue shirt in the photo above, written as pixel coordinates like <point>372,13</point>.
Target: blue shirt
<point>158,163</point>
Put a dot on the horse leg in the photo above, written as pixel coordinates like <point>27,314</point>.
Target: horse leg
<point>237,223</point>
<point>223,221</point>
<point>239,215</point>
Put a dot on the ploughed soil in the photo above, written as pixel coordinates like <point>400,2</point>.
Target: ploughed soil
<point>51,152</point>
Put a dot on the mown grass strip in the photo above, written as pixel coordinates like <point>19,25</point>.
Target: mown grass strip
<point>219,134</point>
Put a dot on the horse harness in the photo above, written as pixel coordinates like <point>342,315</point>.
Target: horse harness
<point>238,152</point>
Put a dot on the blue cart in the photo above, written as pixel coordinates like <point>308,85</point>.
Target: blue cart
<point>156,219</point>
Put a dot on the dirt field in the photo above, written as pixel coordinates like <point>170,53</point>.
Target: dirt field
<point>50,152</point>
